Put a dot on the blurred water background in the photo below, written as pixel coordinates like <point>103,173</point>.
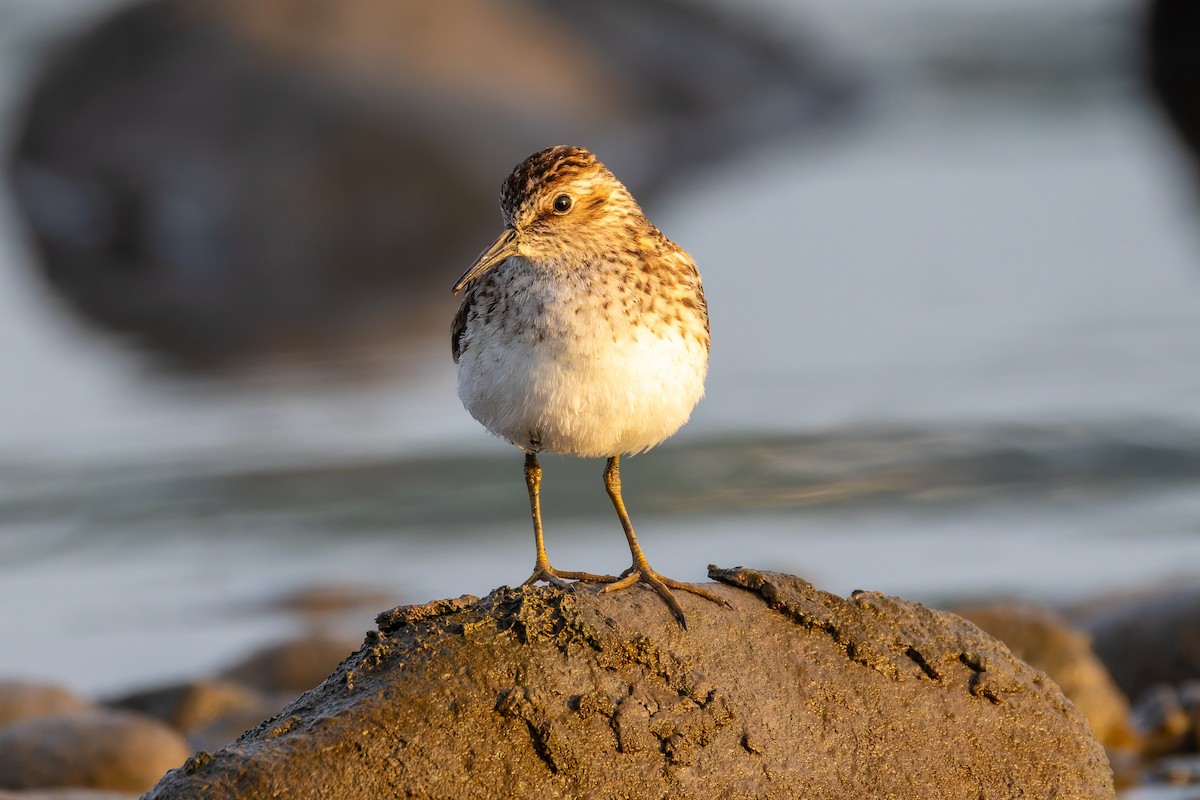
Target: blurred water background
<point>956,340</point>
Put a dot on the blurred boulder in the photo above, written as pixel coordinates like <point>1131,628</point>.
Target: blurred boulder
<point>1151,641</point>
<point>1045,640</point>
<point>22,700</point>
<point>323,601</point>
<point>213,713</point>
<point>294,666</point>
<point>1171,59</point>
<point>222,181</point>
<point>1178,771</point>
<point>1169,718</point>
<point>188,707</point>
<point>789,692</point>
<point>114,750</point>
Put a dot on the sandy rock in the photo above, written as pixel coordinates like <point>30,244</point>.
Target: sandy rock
<point>21,700</point>
<point>790,692</point>
<point>114,750</point>
<point>293,666</point>
<point>1149,642</point>
<point>1047,641</point>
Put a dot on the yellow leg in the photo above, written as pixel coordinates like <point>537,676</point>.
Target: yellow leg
<point>542,571</point>
<point>640,571</point>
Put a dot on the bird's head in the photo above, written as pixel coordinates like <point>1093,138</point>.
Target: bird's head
<point>560,204</point>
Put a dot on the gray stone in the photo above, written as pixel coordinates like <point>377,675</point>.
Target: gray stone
<point>790,692</point>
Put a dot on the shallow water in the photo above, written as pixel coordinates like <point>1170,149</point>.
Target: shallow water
<point>954,354</point>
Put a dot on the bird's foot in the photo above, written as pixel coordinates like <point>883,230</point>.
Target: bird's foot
<point>663,585</point>
<point>559,578</point>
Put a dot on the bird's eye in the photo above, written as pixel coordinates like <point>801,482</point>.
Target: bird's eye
<point>562,203</point>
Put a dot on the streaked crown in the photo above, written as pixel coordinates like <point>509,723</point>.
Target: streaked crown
<point>553,166</point>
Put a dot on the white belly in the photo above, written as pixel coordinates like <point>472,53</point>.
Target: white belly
<point>584,394</point>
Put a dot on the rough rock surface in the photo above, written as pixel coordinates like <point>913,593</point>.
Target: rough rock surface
<point>1045,640</point>
<point>791,692</point>
<point>21,700</point>
<point>113,750</point>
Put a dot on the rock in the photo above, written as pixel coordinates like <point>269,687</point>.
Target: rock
<point>224,729</point>
<point>291,667</point>
<point>1047,641</point>
<point>790,692</point>
<point>188,707</point>
<point>1179,770</point>
<point>21,700</point>
<point>1169,718</point>
<point>224,181</point>
<point>330,599</point>
<point>1172,65</point>
<point>210,713</point>
<point>1148,642</point>
<point>98,749</point>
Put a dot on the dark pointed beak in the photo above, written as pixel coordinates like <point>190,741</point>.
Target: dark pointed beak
<point>501,250</point>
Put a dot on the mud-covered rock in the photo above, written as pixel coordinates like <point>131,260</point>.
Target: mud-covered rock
<point>21,700</point>
<point>99,749</point>
<point>789,692</point>
<point>1046,640</point>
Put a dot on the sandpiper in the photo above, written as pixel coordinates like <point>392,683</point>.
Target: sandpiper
<point>582,330</point>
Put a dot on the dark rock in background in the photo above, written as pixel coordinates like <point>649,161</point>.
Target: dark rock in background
<point>189,707</point>
<point>1172,65</point>
<point>792,692</point>
<point>1149,642</point>
<point>1169,718</point>
<point>227,181</point>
